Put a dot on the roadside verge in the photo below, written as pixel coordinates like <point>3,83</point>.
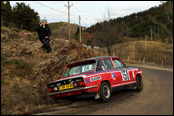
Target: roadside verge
<point>152,67</point>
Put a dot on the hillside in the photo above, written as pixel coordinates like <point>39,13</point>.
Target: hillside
<point>140,24</point>
<point>60,29</point>
<point>26,68</point>
<point>155,53</point>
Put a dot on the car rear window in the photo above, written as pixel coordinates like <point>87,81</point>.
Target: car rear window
<point>80,68</point>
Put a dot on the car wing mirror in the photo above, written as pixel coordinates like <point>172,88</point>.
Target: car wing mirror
<point>125,66</point>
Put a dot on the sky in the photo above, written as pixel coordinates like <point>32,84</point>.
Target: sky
<point>90,12</point>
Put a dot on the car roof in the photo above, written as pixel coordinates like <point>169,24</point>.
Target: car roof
<point>94,58</point>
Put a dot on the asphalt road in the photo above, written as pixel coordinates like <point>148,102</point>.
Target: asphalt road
<point>156,98</point>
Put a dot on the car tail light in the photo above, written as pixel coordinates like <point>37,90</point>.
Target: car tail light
<point>65,94</point>
<point>50,89</point>
<point>58,95</point>
<point>80,84</point>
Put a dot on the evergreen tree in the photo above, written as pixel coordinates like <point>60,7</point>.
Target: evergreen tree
<point>139,24</point>
<point>24,17</point>
<point>6,13</point>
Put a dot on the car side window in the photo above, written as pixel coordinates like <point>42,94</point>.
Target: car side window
<point>98,66</point>
<point>107,64</point>
<point>124,66</point>
<point>118,63</point>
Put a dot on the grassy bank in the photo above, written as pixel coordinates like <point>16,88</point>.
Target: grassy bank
<point>155,53</point>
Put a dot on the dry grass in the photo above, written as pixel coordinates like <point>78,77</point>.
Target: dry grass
<point>18,93</point>
<point>156,52</point>
<point>26,69</point>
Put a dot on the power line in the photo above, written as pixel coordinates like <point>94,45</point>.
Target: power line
<point>54,9</point>
<point>81,18</point>
<point>78,17</point>
<point>83,22</point>
<point>50,7</point>
<point>62,11</point>
<point>84,16</point>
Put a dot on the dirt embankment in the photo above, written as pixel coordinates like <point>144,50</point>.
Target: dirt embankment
<point>26,68</point>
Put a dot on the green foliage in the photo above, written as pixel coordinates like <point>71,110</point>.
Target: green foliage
<point>21,16</point>
<point>139,24</point>
<point>24,17</point>
<point>77,33</point>
<point>6,13</point>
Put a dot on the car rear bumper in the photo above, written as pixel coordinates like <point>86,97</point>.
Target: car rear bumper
<point>72,90</point>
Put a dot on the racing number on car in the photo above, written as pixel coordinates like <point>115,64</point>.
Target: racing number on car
<point>125,75</point>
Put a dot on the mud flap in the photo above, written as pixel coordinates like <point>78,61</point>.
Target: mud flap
<point>97,96</point>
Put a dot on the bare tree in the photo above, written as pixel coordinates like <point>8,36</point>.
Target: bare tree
<point>108,34</point>
<point>166,31</point>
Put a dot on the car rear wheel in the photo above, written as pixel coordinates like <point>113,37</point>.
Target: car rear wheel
<point>105,92</point>
<point>139,83</point>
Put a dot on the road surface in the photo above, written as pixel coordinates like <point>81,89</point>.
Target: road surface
<point>156,98</point>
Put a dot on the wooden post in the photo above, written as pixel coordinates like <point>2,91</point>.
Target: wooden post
<point>144,59</point>
<point>68,19</point>
<point>145,44</point>
<point>80,29</point>
<point>151,34</point>
<point>133,57</point>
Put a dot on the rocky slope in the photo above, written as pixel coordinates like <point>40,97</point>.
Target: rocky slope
<point>26,68</point>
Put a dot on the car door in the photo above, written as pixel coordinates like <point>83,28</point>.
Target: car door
<point>109,69</point>
<point>117,72</point>
<point>129,70</point>
<point>126,74</point>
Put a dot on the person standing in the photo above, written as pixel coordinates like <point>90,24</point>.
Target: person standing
<point>44,33</point>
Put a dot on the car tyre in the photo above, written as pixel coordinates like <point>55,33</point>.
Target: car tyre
<point>139,83</point>
<point>105,92</point>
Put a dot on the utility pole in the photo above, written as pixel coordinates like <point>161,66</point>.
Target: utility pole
<point>151,34</point>
<point>133,56</point>
<point>80,29</point>
<point>68,18</point>
<point>145,42</point>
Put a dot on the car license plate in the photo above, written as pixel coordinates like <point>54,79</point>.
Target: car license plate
<point>68,86</point>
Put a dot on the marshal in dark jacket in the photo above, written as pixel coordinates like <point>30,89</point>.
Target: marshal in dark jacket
<point>44,31</point>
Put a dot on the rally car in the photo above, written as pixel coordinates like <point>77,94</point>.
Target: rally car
<point>96,77</point>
